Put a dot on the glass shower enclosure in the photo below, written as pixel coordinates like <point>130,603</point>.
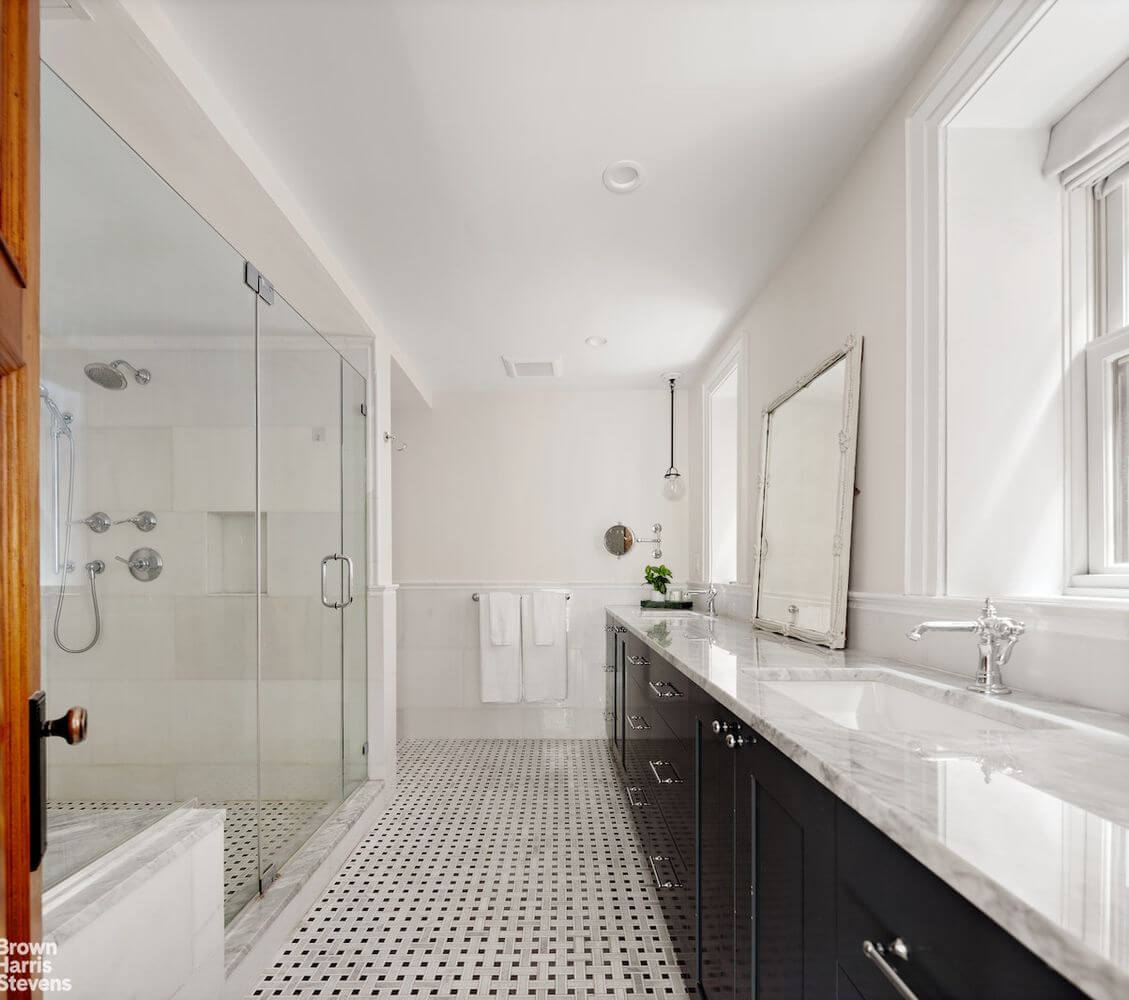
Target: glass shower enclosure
<point>204,550</point>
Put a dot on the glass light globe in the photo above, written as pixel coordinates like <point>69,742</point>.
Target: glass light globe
<point>674,485</point>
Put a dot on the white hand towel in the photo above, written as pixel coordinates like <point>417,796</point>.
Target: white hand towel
<point>548,613</point>
<point>544,668</point>
<point>500,665</point>
<point>503,617</point>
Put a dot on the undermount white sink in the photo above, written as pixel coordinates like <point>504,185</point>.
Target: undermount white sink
<point>872,706</point>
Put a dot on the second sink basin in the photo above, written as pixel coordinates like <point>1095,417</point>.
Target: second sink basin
<point>872,706</point>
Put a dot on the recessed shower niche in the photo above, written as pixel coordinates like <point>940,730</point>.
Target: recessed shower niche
<point>238,677</point>
<point>229,551</point>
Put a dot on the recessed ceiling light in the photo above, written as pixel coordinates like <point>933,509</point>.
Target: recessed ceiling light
<point>623,176</point>
<point>595,341</point>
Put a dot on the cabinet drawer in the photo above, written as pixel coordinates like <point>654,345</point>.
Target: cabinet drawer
<point>952,950</point>
<point>674,884</point>
<point>669,774</point>
<point>667,691</point>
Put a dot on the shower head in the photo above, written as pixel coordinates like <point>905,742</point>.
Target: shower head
<point>109,376</point>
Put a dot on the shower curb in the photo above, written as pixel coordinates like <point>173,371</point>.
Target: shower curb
<point>267,923</point>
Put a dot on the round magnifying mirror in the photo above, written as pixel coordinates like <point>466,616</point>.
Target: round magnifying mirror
<point>618,539</point>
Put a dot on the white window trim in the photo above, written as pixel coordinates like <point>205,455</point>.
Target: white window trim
<point>1083,319</point>
<point>1099,353</point>
<point>1002,28</point>
<point>731,360</point>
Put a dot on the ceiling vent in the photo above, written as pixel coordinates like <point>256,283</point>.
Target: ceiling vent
<point>51,10</point>
<point>531,369</point>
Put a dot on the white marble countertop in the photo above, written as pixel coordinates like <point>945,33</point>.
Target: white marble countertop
<point>1029,822</point>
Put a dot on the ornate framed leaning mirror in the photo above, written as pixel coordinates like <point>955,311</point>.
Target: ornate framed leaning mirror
<point>802,542</point>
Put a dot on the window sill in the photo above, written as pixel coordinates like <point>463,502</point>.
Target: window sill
<point>1099,585</point>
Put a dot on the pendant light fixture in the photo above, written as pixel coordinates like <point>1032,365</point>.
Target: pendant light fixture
<point>674,485</point>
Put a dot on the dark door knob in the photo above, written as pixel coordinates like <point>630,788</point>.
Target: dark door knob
<point>71,726</point>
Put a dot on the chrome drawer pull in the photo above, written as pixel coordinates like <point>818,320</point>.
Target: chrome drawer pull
<point>638,661</point>
<point>638,722</point>
<point>664,689</point>
<point>660,883</point>
<point>636,797</point>
<point>656,764</point>
<point>877,954</point>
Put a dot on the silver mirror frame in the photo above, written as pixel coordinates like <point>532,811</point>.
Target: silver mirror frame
<point>836,636</point>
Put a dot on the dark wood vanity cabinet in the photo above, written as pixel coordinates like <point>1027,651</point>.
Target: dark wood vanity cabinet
<point>940,945</point>
<point>767,862</point>
<point>771,886</point>
<point>615,642</point>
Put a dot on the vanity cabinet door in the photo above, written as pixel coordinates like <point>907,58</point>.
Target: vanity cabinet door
<point>784,879</point>
<point>952,951</point>
<point>716,875</point>
<point>611,692</point>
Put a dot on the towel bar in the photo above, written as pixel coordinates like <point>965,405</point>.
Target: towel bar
<point>475,596</point>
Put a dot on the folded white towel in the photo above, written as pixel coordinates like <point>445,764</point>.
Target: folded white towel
<point>503,617</point>
<point>548,615</point>
<point>544,668</point>
<point>500,665</point>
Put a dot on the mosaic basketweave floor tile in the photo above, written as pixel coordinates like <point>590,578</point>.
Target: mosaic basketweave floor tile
<point>502,868</point>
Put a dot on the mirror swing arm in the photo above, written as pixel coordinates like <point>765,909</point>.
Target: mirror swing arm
<point>840,543</point>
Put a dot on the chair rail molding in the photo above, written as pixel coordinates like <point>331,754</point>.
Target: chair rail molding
<point>1001,29</point>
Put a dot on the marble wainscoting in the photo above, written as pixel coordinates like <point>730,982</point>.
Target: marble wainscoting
<point>438,665</point>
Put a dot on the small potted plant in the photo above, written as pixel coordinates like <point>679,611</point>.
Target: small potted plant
<point>658,579</point>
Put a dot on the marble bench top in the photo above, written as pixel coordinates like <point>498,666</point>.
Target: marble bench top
<point>1029,822</point>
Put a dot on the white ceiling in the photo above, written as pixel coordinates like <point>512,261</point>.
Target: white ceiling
<point>1072,48</point>
<point>450,152</point>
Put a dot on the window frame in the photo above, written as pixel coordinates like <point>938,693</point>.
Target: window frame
<point>730,362</point>
<point>1091,346</point>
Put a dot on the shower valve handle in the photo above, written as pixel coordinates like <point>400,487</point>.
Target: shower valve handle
<point>144,564</point>
<point>143,520</point>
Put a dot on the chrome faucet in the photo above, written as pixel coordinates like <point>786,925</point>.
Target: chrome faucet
<point>710,596</point>
<point>996,637</point>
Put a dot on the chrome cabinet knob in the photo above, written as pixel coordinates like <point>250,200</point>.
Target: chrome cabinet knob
<point>720,727</point>
<point>735,740</point>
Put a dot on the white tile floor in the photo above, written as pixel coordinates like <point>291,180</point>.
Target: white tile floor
<point>502,868</point>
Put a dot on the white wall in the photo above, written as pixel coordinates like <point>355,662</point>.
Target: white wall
<point>1004,374</point>
<point>517,489</point>
<point>847,274</point>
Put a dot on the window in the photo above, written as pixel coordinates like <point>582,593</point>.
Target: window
<point>722,422</point>
<point>1107,384</point>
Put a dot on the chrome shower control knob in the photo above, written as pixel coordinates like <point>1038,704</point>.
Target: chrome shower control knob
<point>144,564</point>
<point>143,520</point>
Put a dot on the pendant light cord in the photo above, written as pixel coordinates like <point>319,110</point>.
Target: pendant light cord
<point>672,423</point>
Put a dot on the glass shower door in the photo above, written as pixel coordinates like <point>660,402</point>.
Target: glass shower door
<point>300,505</point>
<point>354,545</point>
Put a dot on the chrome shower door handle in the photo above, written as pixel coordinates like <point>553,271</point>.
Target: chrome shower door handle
<point>324,573</point>
<point>349,564</point>
<point>336,605</point>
